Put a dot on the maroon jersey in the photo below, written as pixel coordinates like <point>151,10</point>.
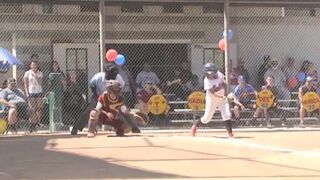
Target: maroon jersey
<point>144,96</point>
<point>110,102</point>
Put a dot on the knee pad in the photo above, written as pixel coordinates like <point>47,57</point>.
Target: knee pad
<point>94,115</point>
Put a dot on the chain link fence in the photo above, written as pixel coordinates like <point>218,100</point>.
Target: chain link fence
<point>172,40</point>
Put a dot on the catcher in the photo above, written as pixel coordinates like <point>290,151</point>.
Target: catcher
<point>110,105</point>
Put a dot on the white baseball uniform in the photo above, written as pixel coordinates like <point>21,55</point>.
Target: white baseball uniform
<point>214,101</point>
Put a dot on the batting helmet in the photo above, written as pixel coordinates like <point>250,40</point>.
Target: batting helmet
<point>210,67</point>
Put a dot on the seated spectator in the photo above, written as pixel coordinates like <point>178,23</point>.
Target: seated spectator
<point>144,95</point>
<point>4,84</point>
<point>16,103</point>
<point>192,85</point>
<point>244,94</point>
<point>275,91</point>
<point>279,80</point>
<point>307,87</point>
<point>146,75</point>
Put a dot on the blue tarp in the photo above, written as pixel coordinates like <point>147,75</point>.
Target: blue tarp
<point>7,60</point>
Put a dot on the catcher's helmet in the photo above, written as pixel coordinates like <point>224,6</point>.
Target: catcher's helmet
<point>113,86</point>
<point>210,67</point>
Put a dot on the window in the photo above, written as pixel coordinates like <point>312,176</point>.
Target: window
<point>173,8</point>
<point>10,8</point>
<point>89,8</point>
<point>214,9</point>
<point>132,8</point>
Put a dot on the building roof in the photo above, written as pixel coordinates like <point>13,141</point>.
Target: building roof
<point>299,3</point>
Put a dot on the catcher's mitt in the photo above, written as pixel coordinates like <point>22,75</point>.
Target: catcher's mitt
<point>141,118</point>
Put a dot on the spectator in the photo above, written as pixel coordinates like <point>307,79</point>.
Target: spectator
<point>302,74</point>
<point>74,100</point>
<point>275,91</point>
<point>244,94</point>
<point>16,103</point>
<point>312,72</point>
<point>98,86</point>
<point>144,95</point>
<point>307,87</point>
<point>129,89</point>
<point>146,75</point>
<point>262,69</point>
<point>192,85</point>
<point>243,71</point>
<point>185,73</point>
<point>174,86</point>
<point>290,72</point>
<point>57,85</point>
<point>4,84</point>
<point>34,92</point>
<point>234,78</point>
<point>279,80</point>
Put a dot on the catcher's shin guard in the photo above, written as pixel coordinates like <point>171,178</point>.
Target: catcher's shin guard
<point>93,120</point>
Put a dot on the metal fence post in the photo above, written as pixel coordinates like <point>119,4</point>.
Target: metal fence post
<point>51,111</point>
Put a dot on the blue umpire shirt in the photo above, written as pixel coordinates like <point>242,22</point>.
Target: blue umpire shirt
<point>99,82</point>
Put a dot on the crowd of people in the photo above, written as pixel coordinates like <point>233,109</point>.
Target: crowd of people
<point>71,101</point>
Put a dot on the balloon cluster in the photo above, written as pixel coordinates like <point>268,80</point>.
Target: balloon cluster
<point>222,43</point>
<point>113,56</point>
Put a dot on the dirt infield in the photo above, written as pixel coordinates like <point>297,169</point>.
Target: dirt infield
<point>210,155</point>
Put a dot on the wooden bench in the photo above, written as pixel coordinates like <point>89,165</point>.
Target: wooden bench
<point>292,108</point>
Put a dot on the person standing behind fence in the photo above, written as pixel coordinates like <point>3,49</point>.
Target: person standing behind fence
<point>98,86</point>
<point>57,85</point>
<point>279,80</point>
<point>290,71</point>
<point>262,70</point>
<point>146,75</point>
<point>129,89</point>
<point>74,100</point>
<point>33,89</point>
<point>307,87</point>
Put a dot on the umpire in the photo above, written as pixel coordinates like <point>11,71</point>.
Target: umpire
<point>98,86</point>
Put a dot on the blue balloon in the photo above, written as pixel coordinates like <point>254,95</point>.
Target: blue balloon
<point>120,59</point>
<point>301,76</point>
<point>230,34</point>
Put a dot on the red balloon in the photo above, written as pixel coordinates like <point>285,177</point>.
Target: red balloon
<point>222,44</point>
<point>111,55</point>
